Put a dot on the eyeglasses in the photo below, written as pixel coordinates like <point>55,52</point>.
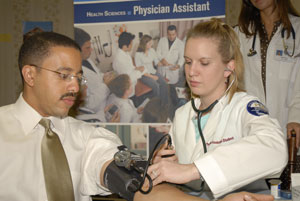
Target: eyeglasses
<point>65,77</point>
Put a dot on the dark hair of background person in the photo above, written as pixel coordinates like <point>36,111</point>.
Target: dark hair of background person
<point>125,38</point>
<point>171,28</point>
<point>143,42</point>
<point>32,32</point>
<point>155,112</point>
<point>119,85</point>
<point>81,36</point>
<point>249,20</point>
<point>36,48</point>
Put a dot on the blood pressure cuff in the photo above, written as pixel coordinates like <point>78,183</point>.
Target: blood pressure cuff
<point>122,181</point>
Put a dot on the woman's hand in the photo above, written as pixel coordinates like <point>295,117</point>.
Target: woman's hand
<point>296,127</point>
<point>173,172</point>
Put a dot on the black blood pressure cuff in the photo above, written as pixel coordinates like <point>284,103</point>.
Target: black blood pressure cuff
<point>122,181</point>
<point>125,175</point>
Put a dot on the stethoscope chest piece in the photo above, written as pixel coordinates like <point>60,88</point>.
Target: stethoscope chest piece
<point>251,52</point>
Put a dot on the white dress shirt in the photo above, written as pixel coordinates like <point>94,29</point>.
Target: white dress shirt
<point>21,173</point>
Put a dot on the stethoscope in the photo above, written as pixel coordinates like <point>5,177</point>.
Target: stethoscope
<point>208,109</point>
<point>253,52</point>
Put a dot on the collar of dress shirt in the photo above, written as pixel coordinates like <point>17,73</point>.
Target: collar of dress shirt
<point>29,118</point>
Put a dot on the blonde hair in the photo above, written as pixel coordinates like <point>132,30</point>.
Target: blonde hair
<point>228,48</point>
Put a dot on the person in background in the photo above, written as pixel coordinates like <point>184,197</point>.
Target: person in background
<point>170,53</point>
<point>123,63</point>
<point>121,88</point>
<point>32,32</point>
<point>232,141</point>
<point>146,56</point>
<point>97,92</point>
<point>269,33</point>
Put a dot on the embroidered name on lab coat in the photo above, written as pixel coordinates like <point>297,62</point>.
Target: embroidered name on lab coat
<point>220,141</point>
<point>256,108</point>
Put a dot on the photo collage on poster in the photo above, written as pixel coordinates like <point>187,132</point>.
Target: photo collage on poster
<point>131,90</point>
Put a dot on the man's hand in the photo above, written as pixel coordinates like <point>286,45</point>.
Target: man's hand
<point>170,193</point>
<point>296,127</point>
<point>164,62</point>
<point>245,196</point>
<point>174,67</point>
<point>140,68</point>
<point>140,110</point>
<point>115,117</point>
<point>108,76</point>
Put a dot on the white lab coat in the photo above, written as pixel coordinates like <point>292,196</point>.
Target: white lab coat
<point>97,94</point>
<point>123,64</point>
<point>242,147</point>
<point>174,56</point>
<point>282,75</point>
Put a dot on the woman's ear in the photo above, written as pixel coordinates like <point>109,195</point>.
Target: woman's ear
<point>229,68</point>
<point>28,74</point>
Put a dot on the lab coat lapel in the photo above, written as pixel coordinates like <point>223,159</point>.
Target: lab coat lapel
<point>172,47</point>
<point>189,141</point>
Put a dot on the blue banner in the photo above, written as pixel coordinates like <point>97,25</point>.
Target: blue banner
<point>123,11</point>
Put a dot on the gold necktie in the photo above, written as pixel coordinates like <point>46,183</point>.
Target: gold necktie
<point>57,174</point>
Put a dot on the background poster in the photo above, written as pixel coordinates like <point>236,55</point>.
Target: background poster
<point>105,21</point>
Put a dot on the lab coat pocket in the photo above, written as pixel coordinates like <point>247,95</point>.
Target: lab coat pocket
<point>285,70</point>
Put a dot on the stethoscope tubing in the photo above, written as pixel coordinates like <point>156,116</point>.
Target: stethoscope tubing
<point>253,52</point>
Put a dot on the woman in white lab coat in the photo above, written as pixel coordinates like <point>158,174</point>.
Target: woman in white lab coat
<point>146,56</point>
<point>239,142</point>
<point>272,72</point>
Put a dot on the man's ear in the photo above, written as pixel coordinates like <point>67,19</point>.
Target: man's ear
<point>229,68</point>
<point>28,73</point>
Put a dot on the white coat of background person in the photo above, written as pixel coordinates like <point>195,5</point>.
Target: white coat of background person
<point>282,71</point>
<point>97,91</point>
<point>170,53</point>
<point>123,63</point>
<point>243,143</point>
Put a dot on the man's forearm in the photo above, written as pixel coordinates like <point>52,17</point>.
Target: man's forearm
<point>165,192</point>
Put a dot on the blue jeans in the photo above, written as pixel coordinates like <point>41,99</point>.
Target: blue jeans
<point>159,87</point>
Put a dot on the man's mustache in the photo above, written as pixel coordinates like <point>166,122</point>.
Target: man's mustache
<point>69,94</point>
